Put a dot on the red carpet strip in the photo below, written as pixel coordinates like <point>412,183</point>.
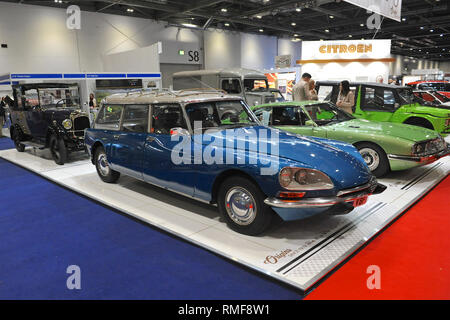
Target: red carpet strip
<point>413,256</point>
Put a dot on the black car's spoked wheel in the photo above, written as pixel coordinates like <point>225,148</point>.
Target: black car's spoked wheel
<point>19,146</point>
<point>58,150</point>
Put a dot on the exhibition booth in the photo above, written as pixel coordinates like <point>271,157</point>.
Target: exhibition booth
<point>353,60</point>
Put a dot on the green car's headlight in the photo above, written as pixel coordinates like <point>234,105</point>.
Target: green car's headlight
<point>429,147</point>
<point>293,178</point>
<point>67,124</point>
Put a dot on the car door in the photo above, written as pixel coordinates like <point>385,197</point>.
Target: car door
<point>35,114</point>
<point>160,161</point>
<point>377,103</point>
<point>127,148</point>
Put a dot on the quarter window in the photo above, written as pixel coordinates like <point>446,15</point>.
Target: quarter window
<point>378,99</point>
<point>109,117</point>
<point>135,118</point>
<point>166,117</point>
<point>231,85</point>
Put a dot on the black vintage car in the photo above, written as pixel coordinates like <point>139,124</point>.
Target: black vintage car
<point>48,115</point>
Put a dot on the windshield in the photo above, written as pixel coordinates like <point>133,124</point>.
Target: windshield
<point>59,97</point>
<point>256,85</point>
<point>327,113</point>
<point>220,114</point>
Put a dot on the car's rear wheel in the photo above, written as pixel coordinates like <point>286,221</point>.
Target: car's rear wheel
<point>241,203</point>
<point>58,150</point>
<point>375,158</point>
<point>16,138</point>
<point>102,165</point>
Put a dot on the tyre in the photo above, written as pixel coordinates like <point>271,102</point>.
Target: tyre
<point>16,138</point>
<point>58,150</point>
<point>104,171</point>
<point>375,158</point>
<point>241,204</point>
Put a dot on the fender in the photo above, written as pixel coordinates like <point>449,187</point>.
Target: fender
<point>54,130</point>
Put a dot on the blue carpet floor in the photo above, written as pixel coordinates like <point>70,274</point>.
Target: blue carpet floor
<point>45,228</point>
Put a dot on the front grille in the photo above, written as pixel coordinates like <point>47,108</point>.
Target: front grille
<point>79,124</point>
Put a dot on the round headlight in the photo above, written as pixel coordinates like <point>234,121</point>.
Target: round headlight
<point>67,124</point>
<point>285,177</point>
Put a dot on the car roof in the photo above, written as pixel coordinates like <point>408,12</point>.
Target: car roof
<point>357,83</point>
<point>168,96</point>
<point>426,81</point>
<point>290,103</point>
<point>228,72</point>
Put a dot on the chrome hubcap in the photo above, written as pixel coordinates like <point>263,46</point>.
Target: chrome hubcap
<point>371,158</point>
<point>240,206</point>
<point>103,165</point>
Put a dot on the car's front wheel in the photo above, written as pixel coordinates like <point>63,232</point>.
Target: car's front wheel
<point>102,165</point>
<point>58,150</point>
<point>375,158</point>
<point>241,203</point>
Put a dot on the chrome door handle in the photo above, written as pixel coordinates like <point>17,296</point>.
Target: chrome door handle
<point>150,139</point>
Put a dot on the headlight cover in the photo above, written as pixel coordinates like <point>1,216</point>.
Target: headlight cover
<point>67,124</point>
<point>429,147</point>
<point>293,178</point>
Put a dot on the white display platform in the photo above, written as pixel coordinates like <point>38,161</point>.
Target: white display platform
<point>299,253</point>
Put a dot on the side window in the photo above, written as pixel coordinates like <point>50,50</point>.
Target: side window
<point>166,117</point>
<point>231,85</point>
<point>325,93</point>
<point>135,118</point>
<point>264,115</point>
<point>378,99</point>
<point>285,116</point>
<point>109,117</point>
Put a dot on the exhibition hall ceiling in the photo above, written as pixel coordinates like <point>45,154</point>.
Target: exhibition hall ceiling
<point>424,31</point>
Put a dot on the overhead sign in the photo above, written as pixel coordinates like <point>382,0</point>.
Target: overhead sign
<point>283,61</point>
<point>389,8</point>
<point>321,51</point>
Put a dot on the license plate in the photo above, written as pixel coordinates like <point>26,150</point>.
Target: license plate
<point>360,201</point>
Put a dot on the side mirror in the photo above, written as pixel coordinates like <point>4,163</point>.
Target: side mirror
<point>179,132</point>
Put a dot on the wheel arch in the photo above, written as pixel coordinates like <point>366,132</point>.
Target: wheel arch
<point>415,120</point>
<point>223,176</point>
<point>94,148</point>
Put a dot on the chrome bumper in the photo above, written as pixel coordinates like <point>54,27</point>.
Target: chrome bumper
<point>426,159</point>
<point>342,197</point>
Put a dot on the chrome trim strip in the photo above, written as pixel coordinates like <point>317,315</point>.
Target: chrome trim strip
<point>427,158</point>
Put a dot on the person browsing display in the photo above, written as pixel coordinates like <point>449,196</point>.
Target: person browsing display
<point>346,98</point>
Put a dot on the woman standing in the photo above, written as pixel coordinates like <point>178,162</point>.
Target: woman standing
<point>346,98</point>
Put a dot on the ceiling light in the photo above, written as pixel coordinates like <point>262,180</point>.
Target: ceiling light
<point>190,25</point>
<point>295,39</point>
<point>227,24</point>
<point>361,25</point>
<point>441,35</point>
<point>331,17</point>
<point>261,30</point>
<point>130,10</point>
<point>362,38</point>
<point>224,10</point>
<point>403,19</point>
<point>296,35</point>
<point>293,24</point>
<point>431,30</point>
<point>350,36</point>
<point>421,28</point>
<point>326,30</point>
<point>259,17</point>
<point>298,9</point>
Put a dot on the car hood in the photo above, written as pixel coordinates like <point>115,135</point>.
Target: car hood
<point>379,129</point>
<point>346,168</point>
